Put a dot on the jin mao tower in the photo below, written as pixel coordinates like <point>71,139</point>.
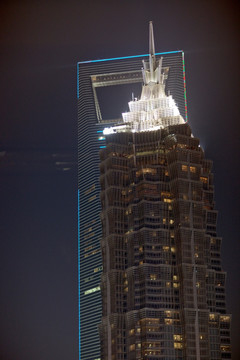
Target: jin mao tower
<point>162,285</point>
<point>97,80</point>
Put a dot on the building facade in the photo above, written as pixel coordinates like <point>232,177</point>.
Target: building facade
<point>94,77</point>
<point>162,284</point>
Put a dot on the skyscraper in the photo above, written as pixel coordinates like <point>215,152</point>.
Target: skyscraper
<point>163,287</point>
<point>95,79</point>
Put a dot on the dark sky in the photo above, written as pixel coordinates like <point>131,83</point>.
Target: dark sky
<point>41,43</point>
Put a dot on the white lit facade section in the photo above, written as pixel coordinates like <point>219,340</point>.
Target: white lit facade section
<point>154,110</point>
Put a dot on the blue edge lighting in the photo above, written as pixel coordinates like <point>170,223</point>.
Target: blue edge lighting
<point>118,58</point>
<point>88,62</point>
<point>79,319</point>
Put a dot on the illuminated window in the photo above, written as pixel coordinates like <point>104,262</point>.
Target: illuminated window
<point>131,332</point>
<point>167,200</point>
<point>164,221</point>
<point>171,221</point>
<point>173,249</point>
<point>89,190</point>
<point>153,277</point>
<point>165,248</point>
<point>193,169</point>
<point>178,345</point>
<point>168,321</point>
<point>175,277</point>
<point>92,198</point>
<point>176,285</point>
<point>212,317</point>
<point>225,348</point>
<point>184,168</point>
<point>149,171</point>
<point>165,194</point>
<point>90,291</point>
<point>168,284</point>
<point>91,253</point>
<point>97,269</point>
<point>177,337</point>
<point>204,179</point>
<point>132,347</point>
<point>224,318</point>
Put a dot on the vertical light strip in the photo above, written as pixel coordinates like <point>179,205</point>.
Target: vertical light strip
<point>79,318</point>
<point>78,80</point>
<point>184,87</point>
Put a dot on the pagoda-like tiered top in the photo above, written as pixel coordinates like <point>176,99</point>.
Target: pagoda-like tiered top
<point>154,110</point>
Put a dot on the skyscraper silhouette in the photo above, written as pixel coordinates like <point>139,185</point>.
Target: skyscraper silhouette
<point>163,287</point>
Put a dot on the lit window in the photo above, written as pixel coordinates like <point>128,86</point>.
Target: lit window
<point>204,179</point>
<point>92,198</point>
<point>171,221</point>
<point>177,337</point>
<point>168,321</point>
<point>165,248</point>
<point>212,317</point>
<point>97,269</point>
<point>168,284</point>
<point>178,345</point>
<point>131,332</point>
<point>90,291</point>
<point>193,169</point>
<point>224,318</point>
<point>153,277</point>
<point>175,277</point>
<point>167,200</point>
<point>132,347</point>
<point>184,168</point>
<point>175,285</point>
<point>168,313</point>
<point>225,348</point>
<point>90,189</point>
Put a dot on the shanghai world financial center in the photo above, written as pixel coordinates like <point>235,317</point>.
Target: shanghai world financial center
<point>151,285</point>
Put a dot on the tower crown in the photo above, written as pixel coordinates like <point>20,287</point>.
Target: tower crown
<point>154,110</point>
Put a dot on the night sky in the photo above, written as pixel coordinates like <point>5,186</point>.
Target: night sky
<point>41,43</point>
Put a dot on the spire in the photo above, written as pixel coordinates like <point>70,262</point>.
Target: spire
<point>152,60</point>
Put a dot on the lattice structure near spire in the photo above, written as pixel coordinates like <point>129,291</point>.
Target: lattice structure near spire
<point>155,109</point>
<point>163,286</point>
